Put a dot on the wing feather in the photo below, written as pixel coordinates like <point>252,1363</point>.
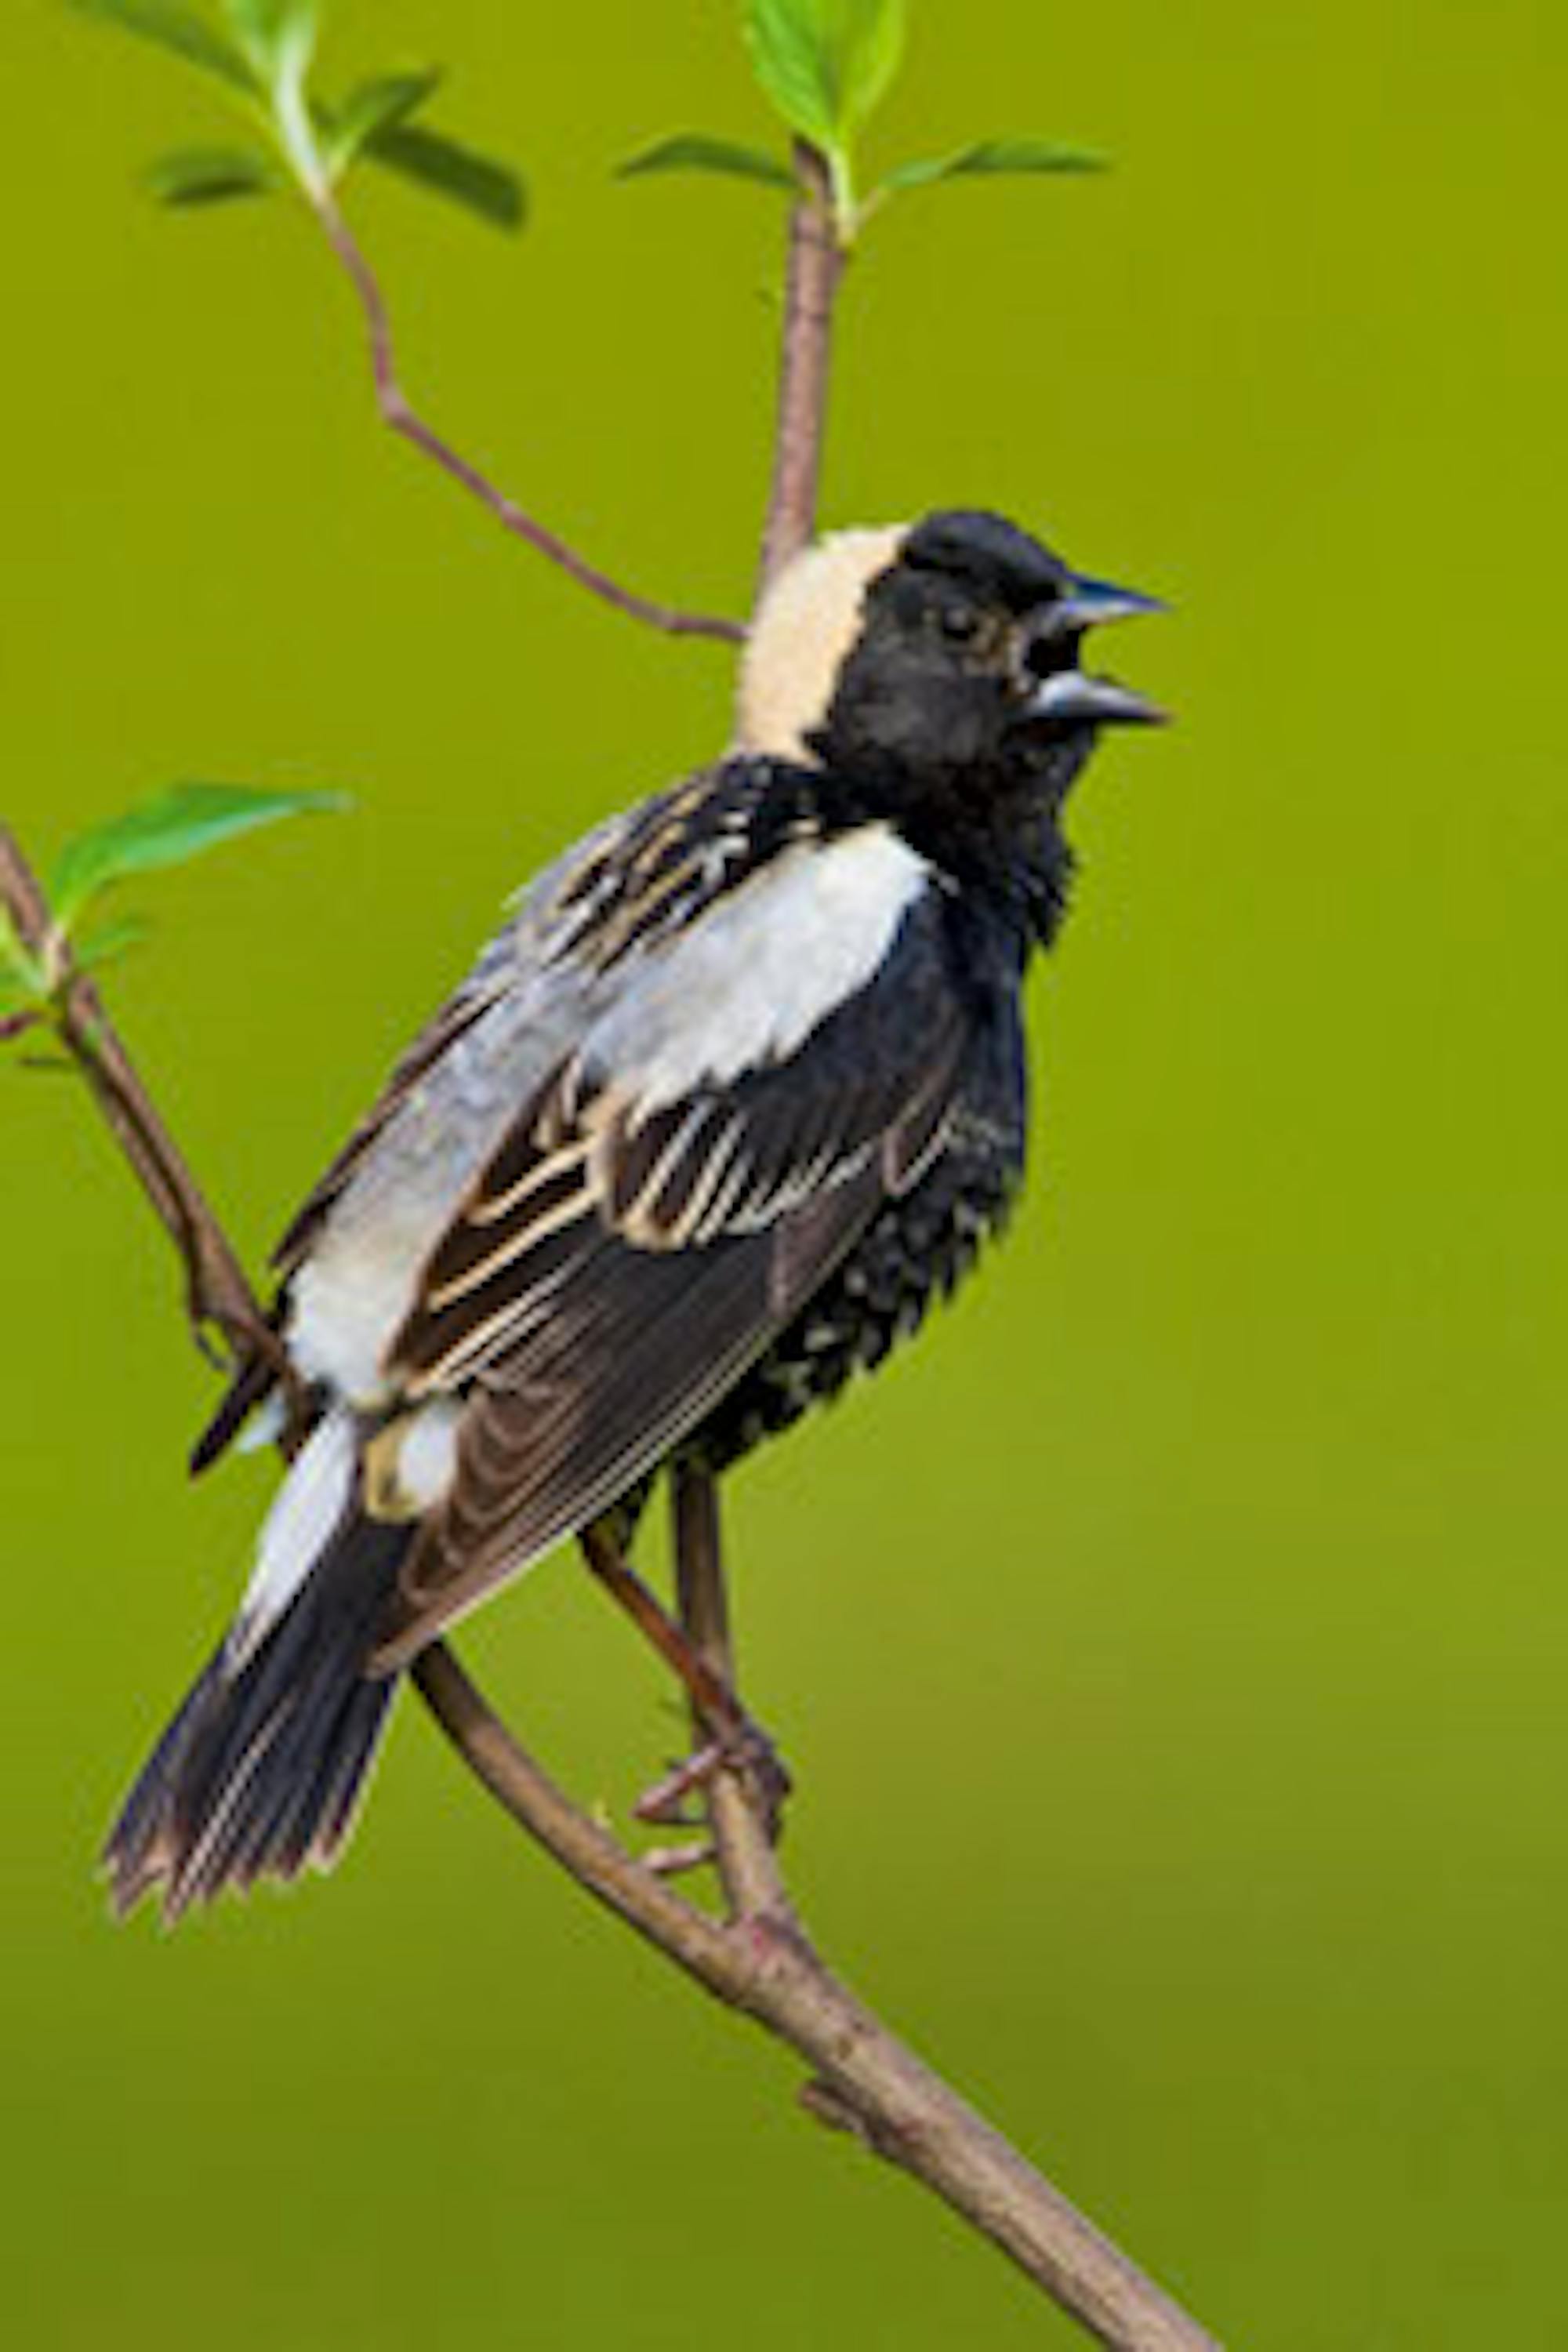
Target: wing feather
<point>595,1300</point>
<point>554,1434</point>
<point>708,1045</point>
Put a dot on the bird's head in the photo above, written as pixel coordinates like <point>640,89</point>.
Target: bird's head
<point>940,663</point>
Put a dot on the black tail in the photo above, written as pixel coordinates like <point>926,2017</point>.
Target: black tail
<point>259,1773</point>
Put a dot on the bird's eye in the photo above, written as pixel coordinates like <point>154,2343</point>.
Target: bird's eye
<point>960,623</point>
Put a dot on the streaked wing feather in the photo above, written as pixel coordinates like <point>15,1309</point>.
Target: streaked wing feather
<point>621,1259</point>
<point>546,919</point>
<point>556,1433</point>
<point>581,1164</point>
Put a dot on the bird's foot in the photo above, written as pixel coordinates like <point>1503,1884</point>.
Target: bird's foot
<point>743,1750</point>
<point>674,1861</point>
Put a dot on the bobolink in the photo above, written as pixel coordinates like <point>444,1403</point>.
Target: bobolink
<point>738,1089</point>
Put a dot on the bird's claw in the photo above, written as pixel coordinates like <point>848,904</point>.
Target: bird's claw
<point>671,1861</point>
<point>743,1750</point>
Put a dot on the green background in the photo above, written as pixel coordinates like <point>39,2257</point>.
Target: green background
<point>1171,1649</point>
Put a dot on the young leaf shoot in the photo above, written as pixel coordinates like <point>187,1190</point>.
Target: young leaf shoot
<point>169,830</point>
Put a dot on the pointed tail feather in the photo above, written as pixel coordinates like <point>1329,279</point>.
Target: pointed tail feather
<point>259,1773</point>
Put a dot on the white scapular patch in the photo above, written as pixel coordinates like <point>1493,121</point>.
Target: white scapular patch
<point>305,1516</point>
<point>804,627</point>
<point>747,985</point>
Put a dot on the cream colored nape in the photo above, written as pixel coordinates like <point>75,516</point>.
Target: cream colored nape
<point>804,627</point>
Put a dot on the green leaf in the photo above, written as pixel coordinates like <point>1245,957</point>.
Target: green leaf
<point>789,64</point>
<point>693,150</point>
<point>211,175</point>
<point>826,64</point>
<point>376,106</point>
<point>268,30</point>
<point>278,38</point>
<point>993,158</point>
<point>177,29</point>
<point>177,826</point>
<point>867,39</point>
<point>492,190</point>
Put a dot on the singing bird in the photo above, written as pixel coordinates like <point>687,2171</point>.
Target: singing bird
<point>736,1092</point>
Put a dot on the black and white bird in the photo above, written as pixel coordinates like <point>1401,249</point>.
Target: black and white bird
<point>738,1088</point>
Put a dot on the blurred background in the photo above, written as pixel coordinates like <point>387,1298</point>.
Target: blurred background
<point>1171,1649</point>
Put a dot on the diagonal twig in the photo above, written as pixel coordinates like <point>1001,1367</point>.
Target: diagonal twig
<point>218,1293</point>
<point>863,2079</point>
<point>399,415</point>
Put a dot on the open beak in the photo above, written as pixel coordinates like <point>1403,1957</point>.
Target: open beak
<point>1068,696</point>
<point>1090,604</point>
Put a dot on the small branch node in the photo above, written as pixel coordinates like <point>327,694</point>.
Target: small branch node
<point>397,411</point>
<point>830,2108</point>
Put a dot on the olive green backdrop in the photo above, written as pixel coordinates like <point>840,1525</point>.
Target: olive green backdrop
<point>1170,1650</point>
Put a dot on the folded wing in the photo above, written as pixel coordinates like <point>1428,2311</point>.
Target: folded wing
<point>625,1255</point>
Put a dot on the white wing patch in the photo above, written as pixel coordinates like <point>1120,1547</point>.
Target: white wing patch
<point>747,985</point>
<point>306,1512</point>
<point>742,987</point>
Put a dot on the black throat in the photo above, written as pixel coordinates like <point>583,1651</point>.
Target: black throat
<point>991,829</point>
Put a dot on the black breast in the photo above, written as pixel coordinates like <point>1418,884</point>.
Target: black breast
<point>917,1250</point>
<point>918,1247</point>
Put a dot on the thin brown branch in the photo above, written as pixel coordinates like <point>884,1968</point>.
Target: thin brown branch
<point>863,2077</point>
<point>399,415</point>
<point>218,1293</point>
<point>815,271</point>
<point>584,1850</point>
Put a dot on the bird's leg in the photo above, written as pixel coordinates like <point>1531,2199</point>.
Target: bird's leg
<point>705,1689</point>
<point>736,1742</point>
